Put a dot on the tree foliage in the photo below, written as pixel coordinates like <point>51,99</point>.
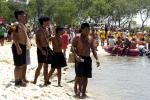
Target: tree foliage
<point>118,12</point>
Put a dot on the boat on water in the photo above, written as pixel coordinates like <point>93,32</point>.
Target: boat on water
<point>131,52</point>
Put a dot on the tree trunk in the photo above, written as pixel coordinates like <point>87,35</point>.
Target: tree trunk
<point>129,26</point>
<point>90,20</point>
<point>119,21</point>
<point>108,22</point>
<point>142,27</point>
<point>40,4</point>
<point>144,20</point>
<point>0,7</point>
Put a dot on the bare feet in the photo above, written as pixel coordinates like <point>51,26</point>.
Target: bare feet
<point>33,82</point>
<point>25,80</point>
<point>83,96</point>
<point>47,83</point>
<point>17,82</point>
<point>20,83</point>
<point>77,95</point>
<point>23,84</point>
<point>60,85</point>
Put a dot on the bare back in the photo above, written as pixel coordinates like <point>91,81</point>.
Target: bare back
<point>42,37</point>
<point>57,44</point>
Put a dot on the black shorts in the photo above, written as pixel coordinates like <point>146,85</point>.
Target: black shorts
<point>84,69</point>
<point>149,46</point>
<point>1,37</point>
<point>19,60</point>
<point>42,58</point>
<point>58,60</point>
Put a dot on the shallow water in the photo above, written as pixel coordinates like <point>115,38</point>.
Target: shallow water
<point>119,78</point>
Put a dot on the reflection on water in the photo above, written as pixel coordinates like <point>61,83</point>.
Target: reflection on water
<point>121,78</point>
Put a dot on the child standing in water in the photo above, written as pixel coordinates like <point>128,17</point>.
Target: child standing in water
<point>58,59</point>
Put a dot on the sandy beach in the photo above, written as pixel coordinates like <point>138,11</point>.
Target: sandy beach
<point>32,92</point>
<point>119,78</point>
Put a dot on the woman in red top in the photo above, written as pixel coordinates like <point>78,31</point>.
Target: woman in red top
<point>64,38</point>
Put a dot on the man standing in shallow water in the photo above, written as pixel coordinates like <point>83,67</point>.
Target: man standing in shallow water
<point>81,48</point>
<point>19,47</point>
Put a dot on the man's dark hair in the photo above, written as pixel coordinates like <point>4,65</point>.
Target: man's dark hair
<point>84,25</point>
<point>43,19</point>
<point>18,12</point>
<point>80,30</point>
<point>59,29</point>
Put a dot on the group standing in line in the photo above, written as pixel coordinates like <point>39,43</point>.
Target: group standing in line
<point>82,45</point>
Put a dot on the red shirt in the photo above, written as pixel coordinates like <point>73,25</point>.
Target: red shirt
<point>133,45</point>
<point>64,38</point>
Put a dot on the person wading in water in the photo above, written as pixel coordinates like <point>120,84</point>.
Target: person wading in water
<point>81,48</point>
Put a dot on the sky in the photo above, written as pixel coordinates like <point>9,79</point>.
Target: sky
<point>139,22</point>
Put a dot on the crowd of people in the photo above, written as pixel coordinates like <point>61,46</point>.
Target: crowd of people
<point>122,40</point>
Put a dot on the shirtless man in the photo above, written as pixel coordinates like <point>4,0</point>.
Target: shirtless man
<point>19,47</point>
<point>81,48</point>
<point>42,41</point>
<point>58,59</point>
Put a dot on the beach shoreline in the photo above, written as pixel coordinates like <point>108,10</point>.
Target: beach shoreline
<point>33,92</point>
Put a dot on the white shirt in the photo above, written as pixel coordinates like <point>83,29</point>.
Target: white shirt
<point>111,42</point>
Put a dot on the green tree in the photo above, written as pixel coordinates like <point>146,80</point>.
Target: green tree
<point>63,12</point>
<point>98,10</point>
<point>31,8</point>
<point>40,7</point>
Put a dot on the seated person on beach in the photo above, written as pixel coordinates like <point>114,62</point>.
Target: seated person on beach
<point>147,39</point>
<point>118,45</point>
<point>126,46</point>
<point>141,46</point>
<point>42,41</point>
<point>82,46</point>
<point>111,42</point>
<point>58,59</point>
<point>133,44</point>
